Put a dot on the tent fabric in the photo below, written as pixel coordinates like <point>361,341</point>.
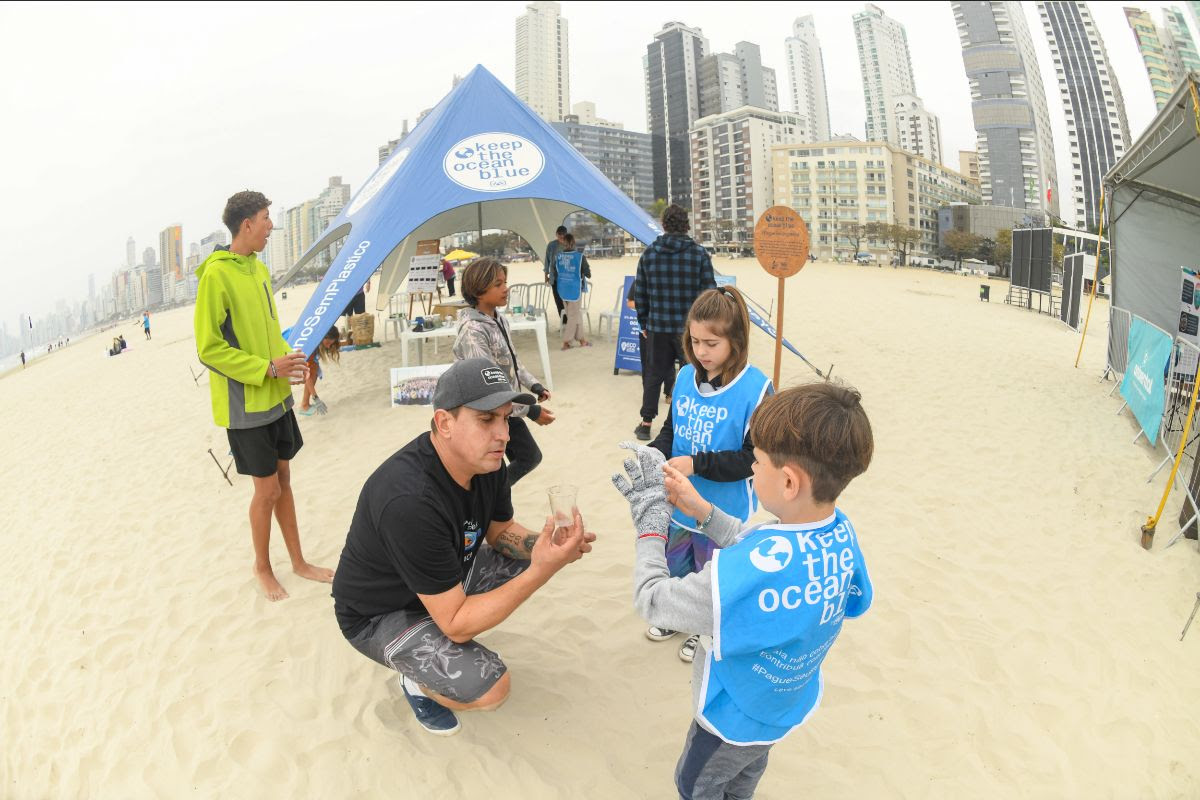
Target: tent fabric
<point>1154,212</point>
<point>480,160</point>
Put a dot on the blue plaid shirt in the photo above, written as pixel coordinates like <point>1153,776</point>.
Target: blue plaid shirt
<point>671,274</point>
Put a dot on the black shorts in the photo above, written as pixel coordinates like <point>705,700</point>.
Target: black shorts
<point>358,305</point>
<point>257,451</point>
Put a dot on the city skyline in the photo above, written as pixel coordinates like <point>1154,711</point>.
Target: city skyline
<point>87,171</point>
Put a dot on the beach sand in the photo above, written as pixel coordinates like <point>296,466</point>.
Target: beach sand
<point>1021,643</point>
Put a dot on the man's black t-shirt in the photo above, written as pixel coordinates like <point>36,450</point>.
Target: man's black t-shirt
<point>415,531</point>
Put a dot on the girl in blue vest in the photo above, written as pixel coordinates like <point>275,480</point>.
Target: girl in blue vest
<point>569,273</point>
<point>707,432</point>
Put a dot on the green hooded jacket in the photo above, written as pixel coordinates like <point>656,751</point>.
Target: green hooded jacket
<point>237,335</point>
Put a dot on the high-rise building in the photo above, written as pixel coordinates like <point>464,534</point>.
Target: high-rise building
<point>838,183</point>
<point>130,252</point>
<point>729,81</point>
<point>212,241</point>
<point>1097,127</point>
<point>92,286</point>
<point>623,156</point>
<point>672,105</point>
<point>806,77</point>
<point>543,69</point>
<point>886,68</point>
<point>306,223</point>
<point>585,113</point>
<point>968,164</point>
<point>916,129</point>
<point>149,258</point>
<point>170,246</point>
<point>1008,105</point>
<point>1162,65</point>
<point>732,182</point>
<point>276,254</point>
<point>1179,40</point>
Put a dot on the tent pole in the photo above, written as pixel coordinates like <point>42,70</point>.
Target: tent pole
<point>1095,280</point>
<point>479,211</point>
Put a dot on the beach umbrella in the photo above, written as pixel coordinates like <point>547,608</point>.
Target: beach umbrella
<point>460,255</point>
<point>480,160</point>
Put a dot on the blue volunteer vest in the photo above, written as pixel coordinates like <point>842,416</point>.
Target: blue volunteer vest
<point>708,423</point>
<point>569,266</point>
<point>779,595</point>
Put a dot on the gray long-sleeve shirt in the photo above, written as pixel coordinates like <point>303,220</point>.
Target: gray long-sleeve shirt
<point>681,604</point>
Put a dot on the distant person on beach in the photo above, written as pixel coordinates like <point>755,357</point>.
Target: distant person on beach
<point>433,557</point>
<point>250,367</point>
<point>569,273</point>
<point>448,274</point>
<point>330,349</point>
<point>671,274</point>
<point>771,602</point>
<point>483,333</point>
<point>358,303</point>
<point>121,340</point>
<point>146,323</point>
<point>22,359</point>
<point>551,255</point>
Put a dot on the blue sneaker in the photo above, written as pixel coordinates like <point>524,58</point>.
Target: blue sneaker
<point>437,719</point>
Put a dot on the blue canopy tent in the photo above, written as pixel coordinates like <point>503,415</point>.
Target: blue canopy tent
<point>480,160</point>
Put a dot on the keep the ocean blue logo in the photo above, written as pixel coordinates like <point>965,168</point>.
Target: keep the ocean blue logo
<point>493,162</point>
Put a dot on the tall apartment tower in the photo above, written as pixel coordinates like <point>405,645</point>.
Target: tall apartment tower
<point>886,69</point>
<point>1008,104</point>
<point>130,252</point>
<point>729,81</point>
<point>543,71</point>
<point>1179,39</point>
<point>170,248</point>
<point>671,65</point>
<point>1164,67</point>
<point>916,129</point>
<point>806,77</point>
<point>1097,127</point>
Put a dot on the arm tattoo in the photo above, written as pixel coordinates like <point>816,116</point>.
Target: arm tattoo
<point>511,544</point>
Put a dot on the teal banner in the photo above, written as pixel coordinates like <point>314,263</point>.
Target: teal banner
<point>1144,384</point>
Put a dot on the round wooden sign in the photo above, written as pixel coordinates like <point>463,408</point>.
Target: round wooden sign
<point>781,241</point>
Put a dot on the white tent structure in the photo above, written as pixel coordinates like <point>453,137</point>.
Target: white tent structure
<point>1153,222</point>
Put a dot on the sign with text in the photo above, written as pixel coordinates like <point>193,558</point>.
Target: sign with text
<point>781,241</point>
<point>1189,322</point>
<point>629,336</point>
<point>425,268</point>
<point>1144,384</point>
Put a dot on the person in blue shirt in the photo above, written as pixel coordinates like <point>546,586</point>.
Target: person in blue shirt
<point>707,432</point>
<point>771,601</point>
<point>569,274</point>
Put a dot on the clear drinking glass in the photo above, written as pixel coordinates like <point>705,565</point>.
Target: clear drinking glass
<point>563,506</point>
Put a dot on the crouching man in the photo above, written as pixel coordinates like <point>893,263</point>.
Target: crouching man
<point>434,557</point>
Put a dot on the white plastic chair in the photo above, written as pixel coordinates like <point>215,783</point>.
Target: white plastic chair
<point>518,295</point>
<point>539,298</point>
<point>585,304</point>
<point>610,317</point>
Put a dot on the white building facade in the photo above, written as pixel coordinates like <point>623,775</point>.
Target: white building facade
<point>806,76</point>
<point>543,77</point>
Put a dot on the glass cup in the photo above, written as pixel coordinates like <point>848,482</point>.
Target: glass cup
<point>563,507</point>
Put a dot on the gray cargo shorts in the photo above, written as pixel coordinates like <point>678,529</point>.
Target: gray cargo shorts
<point>413,645</point>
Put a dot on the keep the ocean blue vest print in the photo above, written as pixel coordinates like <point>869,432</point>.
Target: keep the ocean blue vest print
<point>707,423</point>
<point>781,595</point>
<point>569,266</point>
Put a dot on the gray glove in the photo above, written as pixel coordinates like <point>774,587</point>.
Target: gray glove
<point>644,489</point>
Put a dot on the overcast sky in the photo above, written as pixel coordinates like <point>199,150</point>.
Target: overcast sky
<point>121,119</point>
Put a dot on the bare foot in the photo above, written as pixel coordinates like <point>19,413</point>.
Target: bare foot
<point>566,346</point>
<point>314,573</point>
<point>271,588</point>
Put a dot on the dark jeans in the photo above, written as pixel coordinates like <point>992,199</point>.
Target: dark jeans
<point>659,375</point>
<point>558,303</point>
<point>522,451</point>
<point>710,769</point>
<point>450,285</point>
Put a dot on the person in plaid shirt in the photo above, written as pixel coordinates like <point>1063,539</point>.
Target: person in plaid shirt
<point>671,274</point>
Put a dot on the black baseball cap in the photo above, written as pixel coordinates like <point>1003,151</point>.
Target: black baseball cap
<point>476,383</point>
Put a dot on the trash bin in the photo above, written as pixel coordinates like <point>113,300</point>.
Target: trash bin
<point>985,293</point>
<point>285,295</point>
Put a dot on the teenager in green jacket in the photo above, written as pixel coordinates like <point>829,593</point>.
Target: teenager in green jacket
<point>250,368</point>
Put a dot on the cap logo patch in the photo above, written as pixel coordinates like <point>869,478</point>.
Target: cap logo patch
<point>493,375</point>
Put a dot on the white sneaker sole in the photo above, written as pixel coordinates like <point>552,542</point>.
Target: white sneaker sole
<point>655,638</point>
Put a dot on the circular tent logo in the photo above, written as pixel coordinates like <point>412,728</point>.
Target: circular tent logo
<point>493,162</point>
<point>771,554</point>
<point>377,182</point>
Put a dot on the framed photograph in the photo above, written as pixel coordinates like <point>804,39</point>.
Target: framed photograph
<point>413,386</point>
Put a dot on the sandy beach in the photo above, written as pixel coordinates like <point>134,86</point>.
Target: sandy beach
<point>1021,643</point>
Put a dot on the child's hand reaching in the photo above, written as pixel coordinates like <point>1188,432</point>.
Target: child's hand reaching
<point>682,495</point>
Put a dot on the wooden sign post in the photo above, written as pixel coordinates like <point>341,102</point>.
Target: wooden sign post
<point>781,246</point>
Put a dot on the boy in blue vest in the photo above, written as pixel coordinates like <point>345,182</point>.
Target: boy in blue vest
<point>772,599</point>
